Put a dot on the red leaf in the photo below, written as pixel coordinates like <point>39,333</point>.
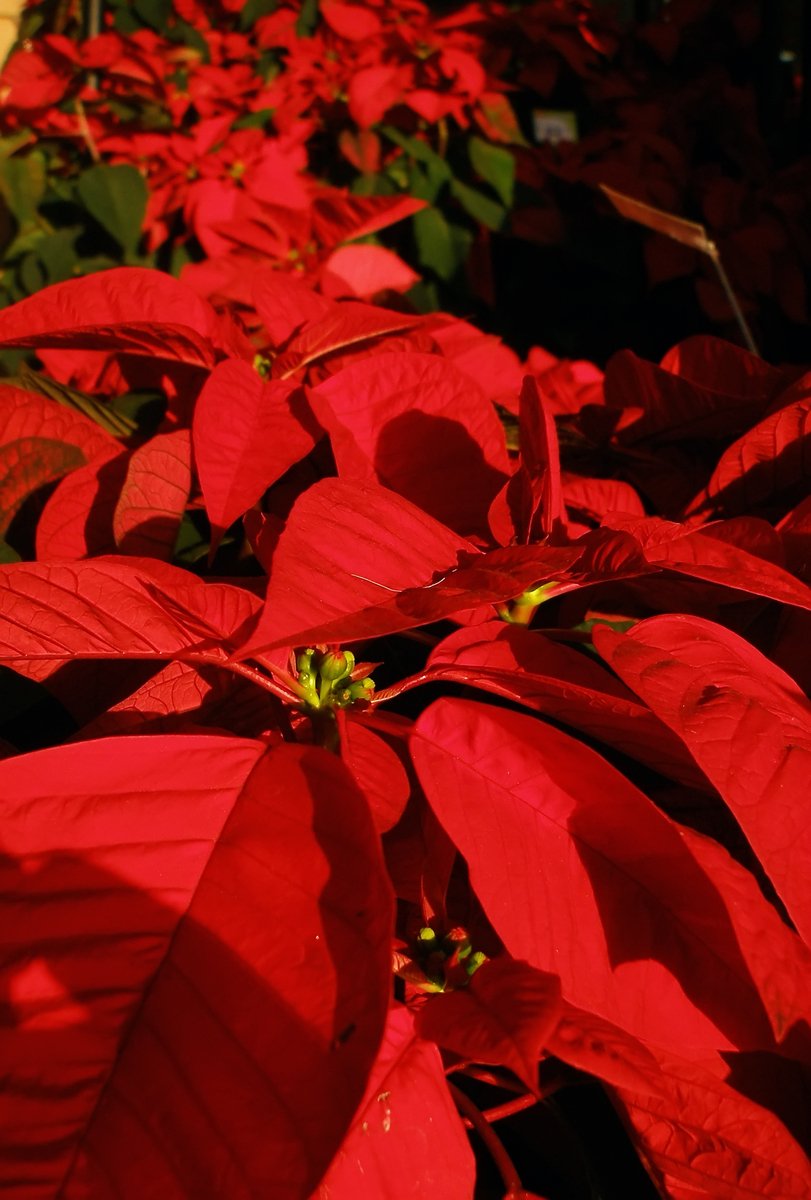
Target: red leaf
<point>179,694</point>
<point>418,426</point>
<point>505,1016</point>
<point>283,304</point>
<point>356,561</point>
<point>28,464</point>
<point>346,324</point>
<point>747,725</point>
<point>377,770</point>
<point>77,520</point>
<point>348,547</point>
<point>363,271</point>
<point>406,1136</point>
<point>154,496</point>
<point>40,442</point>
<point>674,407</point>
<point>246,434</point>
<point>581,875</point>
<point>540,456</point>
<point>702,1133</point>
<point>710,362</point>
<point>170,992</point>
<point>129,309</point>
<point>772,458</point>
<point>339,216</point>
<point>113,608</point>
<point>592,1044</point>
<point>706,554</point>
<point>563,683</point>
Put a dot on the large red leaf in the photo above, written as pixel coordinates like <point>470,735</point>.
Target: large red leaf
<point>593,1044</point>
<point>356,561</point>
<point>563,683</point>
<point>154,496</point>
<point>772,458</point>
<point>673,407</point>
<point>346,547</point>
<point>582,876</point>
<point>77,520</point>
<point>747,725</point>
<point>377,770</point>
<point>246,434</point>
<point>362,271</point>
<point>505,1016</point>
<point>417,425</point>
<point>699,1132</point>
<point>180,693</point>
<point>130,309</point>
<point>40,441</point>
<point>196,968</point>
<point>706,554</point>
<point>284,303</point>
<point>345,324</point>
<point>339,216</point>
<point>116,608</point>
<point>406,1138</point>
<point>712,363</point>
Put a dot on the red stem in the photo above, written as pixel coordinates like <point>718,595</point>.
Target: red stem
<point>506,1166</point>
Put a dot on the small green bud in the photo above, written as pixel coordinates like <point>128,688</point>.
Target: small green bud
<point>476,960</point>
<point>336,665</point>
<point>305,660</point>
<point>361,690</point>
<point>426,938</point>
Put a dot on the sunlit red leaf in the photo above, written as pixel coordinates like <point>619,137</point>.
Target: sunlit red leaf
<point>745,722</point>
<point>594,1045</point>
<point>418,426</point>
<point>363,271</point>
<point>504,1016</point>
<point>170,997</point>
<point>154,496</point>
<point>130,309</point>
<point>345,324</point>
<point>77,520</point>
<point>563,683</point>
<point>377,770</point>
<point>357,561</point>
<point>180,693</point>
<point>561,848</point>
<point>113,607</point>
<point>698,1131</point>
<point>406,1135</point>
<point>40,442</point>
<point>246,434</point>
<point>772,459</point>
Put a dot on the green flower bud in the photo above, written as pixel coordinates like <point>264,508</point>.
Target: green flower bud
<point>361,690</point>
<point>336,665</point>
<point>476,960</point>
<point>305,660</point>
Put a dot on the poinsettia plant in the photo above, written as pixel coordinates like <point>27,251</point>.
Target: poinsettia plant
<point>402,741</point>
<point>211,129</point>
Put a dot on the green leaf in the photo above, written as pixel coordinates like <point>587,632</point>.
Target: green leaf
<point>7,553</point>
<point>307,19</point>
<point>495,165</point>
<point>154,13</point>
<point>116,196</point>
<point>440,246</point>
<point>23,183</point>
<point>478,206</point>
<point>253,10</point>
<point>57,253</point>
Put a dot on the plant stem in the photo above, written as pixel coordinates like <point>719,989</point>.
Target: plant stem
<point>506,1167</point>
